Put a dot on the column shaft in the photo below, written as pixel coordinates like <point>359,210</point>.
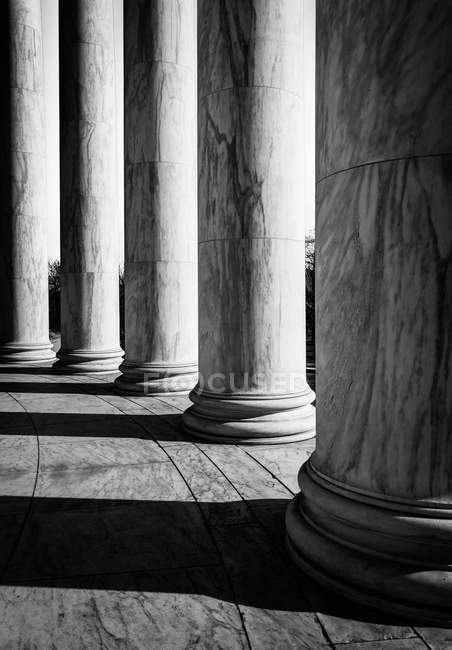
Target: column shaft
<point>160,196</point>
<point>251,227</point>
<point>24,312</point>
<point>374,517</point>
<point>89,257</point>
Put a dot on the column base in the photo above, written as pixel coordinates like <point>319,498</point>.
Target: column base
<point>390,554</point>
<point>250,419</point>
<point>156,379</point>
<point>25,353</point>
<point>86,362</point>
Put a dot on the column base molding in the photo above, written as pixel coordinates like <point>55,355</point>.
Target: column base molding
<point>26,352</point>
<point>88,361</point>
<point>156,378</point>
<point>390,554</point>
<point>249,418</point>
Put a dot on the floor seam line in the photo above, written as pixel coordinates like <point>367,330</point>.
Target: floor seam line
<point>418,635</point>
<point>268,471</point>
<point>209,529</point>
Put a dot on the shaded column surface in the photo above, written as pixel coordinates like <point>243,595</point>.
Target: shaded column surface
<point>251,232</point>
<point>89,256</point>
<point>374,517</point>
<point>160,196</point>
<point>24,310</point>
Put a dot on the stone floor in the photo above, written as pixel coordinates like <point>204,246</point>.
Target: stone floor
<point>118,532</point>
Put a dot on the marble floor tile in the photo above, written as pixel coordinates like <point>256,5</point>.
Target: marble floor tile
<point>166,429</point>
<point>14,419</point>
<point>152,482</point>
<point>61,453</point>
<point>172,609</point>
<point>122,403</point>
<point>10,527</point>
<point>437,638</point>
<point>284,461</point>
<point>77,426</point>
<point>16,485</point>
<point>180,402</point>
<point>114,551</point>
<point>204,478</point>
<point>347,622</point>
<point>76,537</point>
<point>18,458</point>
<point>250,479</point>
<point>395,644</point>
<point>56,403</point>
<point>271,513</point>
<point>17,437</point>
<point>274,610</point>
<point>9,404</point>
<point>217,497</point>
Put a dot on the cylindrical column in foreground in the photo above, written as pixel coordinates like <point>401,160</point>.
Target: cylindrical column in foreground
<point>374,517</point>
<point>24,311</point>
<point>160,196</point>
<point>89,258</point>
<point>251,230</point>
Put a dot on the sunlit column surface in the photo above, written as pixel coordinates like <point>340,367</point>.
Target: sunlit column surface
<point>160,196</point>
<point>374,517</point>
<point>24,312</point>
<point>89,258</point>
<point>251,224</point>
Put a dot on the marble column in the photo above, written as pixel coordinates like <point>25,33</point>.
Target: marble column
<point>24,310</point>
<point>89,256</point>
<point>252,355</point>
<point>160,197</point>
<point>373,520</point>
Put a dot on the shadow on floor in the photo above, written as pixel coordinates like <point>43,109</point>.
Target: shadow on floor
<point>148,546</point>
<point>77,388</point>
<point>145,425</point>
<point>164,546</point>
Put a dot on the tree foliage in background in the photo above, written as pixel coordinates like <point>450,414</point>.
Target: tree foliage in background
<point>55,292</point>
<point>54,273</point>
<point>54,295</point>
<point>310,286</point>
<point>122,337</point>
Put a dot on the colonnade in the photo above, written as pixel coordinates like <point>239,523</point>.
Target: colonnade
<point>374,516</point>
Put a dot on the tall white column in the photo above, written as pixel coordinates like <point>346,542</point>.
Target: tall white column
<point>251,228</point>
<point>89,256</point>
<point>373,520</point>
<point>160,196</point>
<point>24,312</point>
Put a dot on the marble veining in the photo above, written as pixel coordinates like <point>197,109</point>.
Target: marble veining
<point>23,269</point>
<point>401,105</point>
<point>251,316</point>
<point>160,197</point>
<point>89,256</point>
<point>251,174</point>
<point>385,265</point>
<point>250,43</point>
<point>246,186</point>
<point>373,516</point>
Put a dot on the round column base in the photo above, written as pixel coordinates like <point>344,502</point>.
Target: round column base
<point>156,379</point>
<point>87,362</point>
<point>250,419</point>
<point>392,555</point>
<point>25,353</point>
